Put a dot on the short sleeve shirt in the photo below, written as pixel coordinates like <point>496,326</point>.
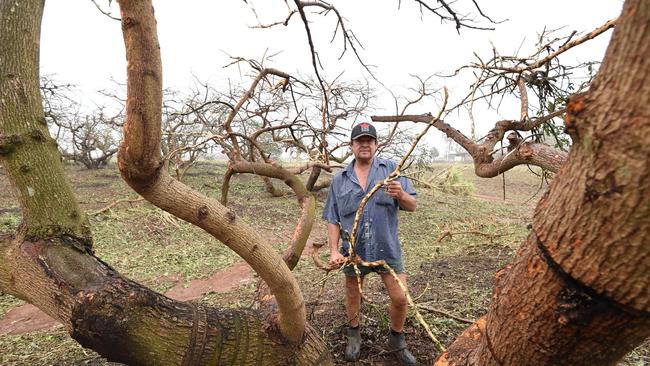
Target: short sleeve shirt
<point>377,232</point>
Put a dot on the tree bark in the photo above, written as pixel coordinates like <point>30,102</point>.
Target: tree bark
<point>584,271</point>
<point>28,152</point>
<point>313,178</point>
<point>541,155</point>
<point>306,201</point>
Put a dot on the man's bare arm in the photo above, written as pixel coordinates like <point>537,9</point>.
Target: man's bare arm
<point>407,202</point>
<point>333,237</point>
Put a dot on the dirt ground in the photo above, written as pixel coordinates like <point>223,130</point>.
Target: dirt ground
<point>450,278</point>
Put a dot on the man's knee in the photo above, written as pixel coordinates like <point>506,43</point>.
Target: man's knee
<point>396,293</point>
<point>399,300</point>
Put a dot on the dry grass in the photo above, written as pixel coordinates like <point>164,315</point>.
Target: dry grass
<point>454,274</point>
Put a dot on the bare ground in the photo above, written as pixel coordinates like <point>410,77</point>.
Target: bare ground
<point>454,276</point>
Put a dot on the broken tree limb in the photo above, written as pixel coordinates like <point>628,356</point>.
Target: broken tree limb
<point>485,164</point>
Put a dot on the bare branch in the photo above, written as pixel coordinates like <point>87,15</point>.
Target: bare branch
<point>115,203</point>
<point>426,307</point>
<point>303,16</point>
<point>484,163</point>
<point>591,35</point>
<point>108,14</point>
<point>446,13</point>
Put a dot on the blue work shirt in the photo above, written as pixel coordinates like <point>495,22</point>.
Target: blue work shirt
<point>377,232</point>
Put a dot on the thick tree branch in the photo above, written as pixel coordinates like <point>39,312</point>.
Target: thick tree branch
<point>451,132</point>
<point>528,153</point>
<point>27,151</point>
<point>140,165</point>
<point>306,201</point>
<point>485,165</point>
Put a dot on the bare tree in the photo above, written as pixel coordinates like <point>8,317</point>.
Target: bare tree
<point>90,139</point>
<point>527,143</point>
<point>576,294</point>
<point>277,113</point>
<point>93,141</point>
<point>183,133</point>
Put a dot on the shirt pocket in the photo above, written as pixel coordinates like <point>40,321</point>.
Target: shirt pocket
<point>349,204</point>
<point>383,199</point>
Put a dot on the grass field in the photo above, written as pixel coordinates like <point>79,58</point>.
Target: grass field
<point>454,274</point>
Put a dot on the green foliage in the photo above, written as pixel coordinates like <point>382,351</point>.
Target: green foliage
<point>45,348</point>
<point>639,357</point>
<point>425,156</point>
<point>449,180</point>
<point>8,302</point>
<point>9,221</point>
<point>453,182</point>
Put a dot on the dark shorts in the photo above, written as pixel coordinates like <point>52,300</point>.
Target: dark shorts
<point>397,266</point>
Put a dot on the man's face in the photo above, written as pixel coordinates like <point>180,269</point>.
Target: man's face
<point>364,148</point>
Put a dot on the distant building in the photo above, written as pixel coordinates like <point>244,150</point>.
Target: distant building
<point>462,156</point>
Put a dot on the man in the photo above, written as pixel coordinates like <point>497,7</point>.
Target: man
<point>376,235</point>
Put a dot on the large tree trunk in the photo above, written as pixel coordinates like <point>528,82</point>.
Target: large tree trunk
<point>26,148</point>
<point>49,261</point>
<point>125,322</point>
<point>578,292</point>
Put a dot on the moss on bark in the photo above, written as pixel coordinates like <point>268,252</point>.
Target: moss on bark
<point>26,149</point>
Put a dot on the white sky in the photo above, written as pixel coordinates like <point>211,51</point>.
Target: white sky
<point>81,46</point>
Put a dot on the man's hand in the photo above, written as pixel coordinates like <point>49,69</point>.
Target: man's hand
<point>394,189</point>
<point>336,259</point>
<point>405,200</point>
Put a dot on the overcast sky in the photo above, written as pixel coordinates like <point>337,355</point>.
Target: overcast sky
<point>82,46</point>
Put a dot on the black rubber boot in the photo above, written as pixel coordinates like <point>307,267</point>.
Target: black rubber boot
<point>353,348</point>
<point>397,345</point>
